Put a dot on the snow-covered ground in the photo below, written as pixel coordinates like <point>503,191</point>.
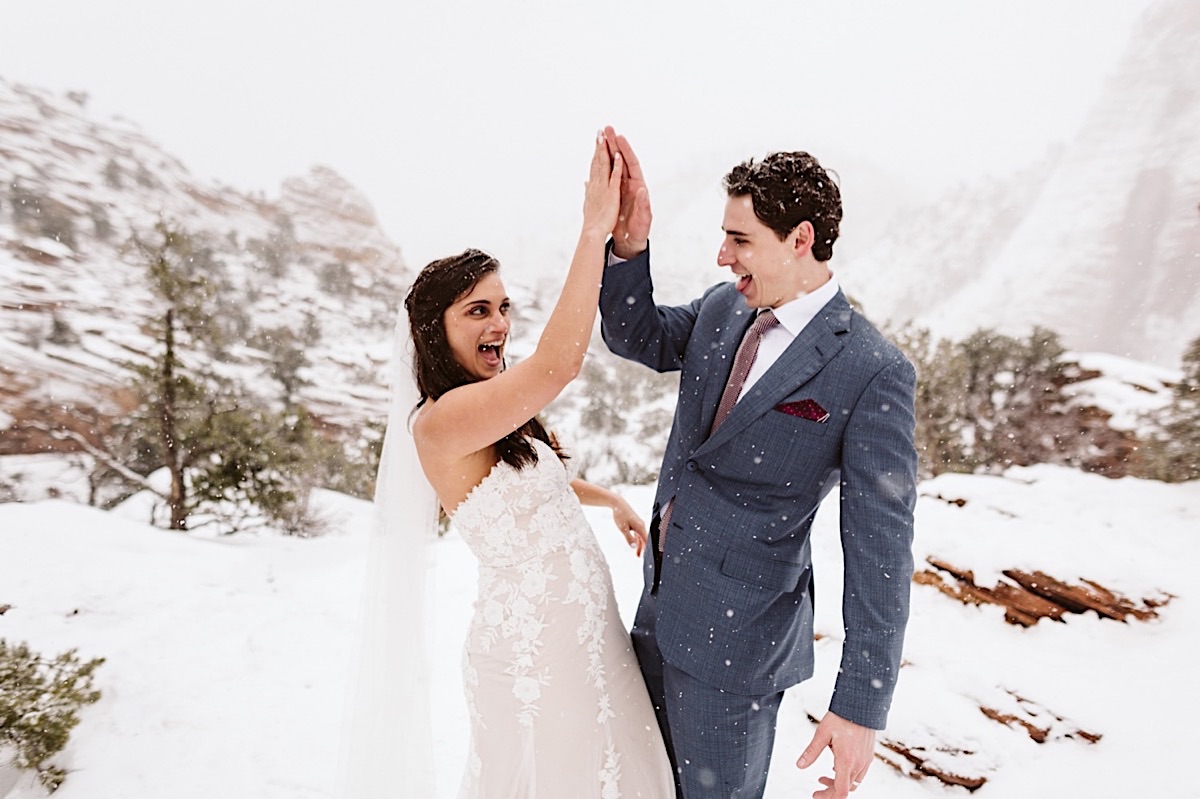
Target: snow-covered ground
<point>226,657</point>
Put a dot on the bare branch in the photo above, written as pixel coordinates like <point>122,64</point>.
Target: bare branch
<point>101,455</point>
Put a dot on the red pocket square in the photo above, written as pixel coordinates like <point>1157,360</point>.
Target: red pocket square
<point>805,409</point>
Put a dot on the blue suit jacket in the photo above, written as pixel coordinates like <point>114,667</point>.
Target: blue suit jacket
<point>733,605</point>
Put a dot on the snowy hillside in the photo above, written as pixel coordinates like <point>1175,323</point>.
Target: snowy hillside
<point>226,658</point>
<point>1100,243</point>
<point>75,300</point>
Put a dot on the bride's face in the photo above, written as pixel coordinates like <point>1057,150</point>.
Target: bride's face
<point>477,327</point>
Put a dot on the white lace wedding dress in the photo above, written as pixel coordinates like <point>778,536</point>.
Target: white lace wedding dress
<point>557,703</point>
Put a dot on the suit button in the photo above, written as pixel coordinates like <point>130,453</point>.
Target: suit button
<point>691,466</point>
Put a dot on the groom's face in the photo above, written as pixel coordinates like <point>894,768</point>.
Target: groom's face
<point>766,269</point>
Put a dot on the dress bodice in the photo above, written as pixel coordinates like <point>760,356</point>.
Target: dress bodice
<point>514,515</point>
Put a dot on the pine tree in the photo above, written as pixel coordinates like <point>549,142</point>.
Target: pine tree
<point>40,701</point>
<point>230,454</point>
<point>1174,452</point>
<point>1014,398</point>
<point>185,294</point>
<point>942,423</point>
<point>288,356</point>
<point>994,401</point>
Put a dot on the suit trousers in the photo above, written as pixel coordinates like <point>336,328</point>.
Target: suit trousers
<point>719,743</point>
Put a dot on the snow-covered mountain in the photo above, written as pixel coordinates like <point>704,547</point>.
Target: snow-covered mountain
<point>1101,242</point>
<point>74,300</point>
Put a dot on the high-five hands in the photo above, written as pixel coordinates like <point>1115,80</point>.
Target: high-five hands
<point>602,193</point>
<point>632,232</point>
<point>853,748</point>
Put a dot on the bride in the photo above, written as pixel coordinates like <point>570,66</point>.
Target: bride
<point>556,700</point>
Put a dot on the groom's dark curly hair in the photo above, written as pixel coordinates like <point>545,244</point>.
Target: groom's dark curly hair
<point>787,189</point>
<point>436,288</point>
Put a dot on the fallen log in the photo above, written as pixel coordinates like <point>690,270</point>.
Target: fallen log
<point>1031,596</point>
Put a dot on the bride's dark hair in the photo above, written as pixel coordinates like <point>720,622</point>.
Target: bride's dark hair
<point>437,287</point>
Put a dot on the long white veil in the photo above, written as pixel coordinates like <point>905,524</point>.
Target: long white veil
<point>387,744</point>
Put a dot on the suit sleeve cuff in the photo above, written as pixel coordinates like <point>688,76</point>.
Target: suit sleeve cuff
<point>612,259</point>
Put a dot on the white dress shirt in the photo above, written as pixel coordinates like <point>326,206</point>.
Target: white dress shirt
<point>793,317</point>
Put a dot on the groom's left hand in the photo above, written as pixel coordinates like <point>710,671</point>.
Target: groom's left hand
<point>853,748</point>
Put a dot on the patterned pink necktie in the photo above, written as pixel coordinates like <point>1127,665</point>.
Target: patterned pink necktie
<point>742,361</point>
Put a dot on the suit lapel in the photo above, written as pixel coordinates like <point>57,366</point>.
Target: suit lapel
<point>807,355</point>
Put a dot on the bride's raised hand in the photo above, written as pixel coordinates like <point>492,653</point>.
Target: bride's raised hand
<point>602,194</point>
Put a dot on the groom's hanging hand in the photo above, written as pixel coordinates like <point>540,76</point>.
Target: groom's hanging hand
<point>853,747</point>
<point>632,232</point>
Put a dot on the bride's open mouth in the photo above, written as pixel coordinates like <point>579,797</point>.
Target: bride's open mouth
<point>492,354</point>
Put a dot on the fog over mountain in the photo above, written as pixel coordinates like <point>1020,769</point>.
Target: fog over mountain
<point>1100,242</point>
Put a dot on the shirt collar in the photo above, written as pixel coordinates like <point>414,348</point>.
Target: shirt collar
<point>795,315</point>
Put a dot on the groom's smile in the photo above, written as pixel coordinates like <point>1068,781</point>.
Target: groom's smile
<point>766,268</point>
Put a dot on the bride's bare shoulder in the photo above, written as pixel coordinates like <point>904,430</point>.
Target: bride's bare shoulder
<point>432,417</point>
<point>422,413</point>
<point>452,477</point>
<point>422,430</point>
<point>428,430</point>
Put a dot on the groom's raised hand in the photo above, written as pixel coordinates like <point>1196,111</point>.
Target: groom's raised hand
<point>632,232</point>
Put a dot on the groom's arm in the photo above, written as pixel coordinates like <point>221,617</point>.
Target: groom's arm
<point>633,326</point>
<point>878,494</point>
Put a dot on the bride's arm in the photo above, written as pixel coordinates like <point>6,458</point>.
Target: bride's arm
<point>477,415</point>
<point>627,521</point>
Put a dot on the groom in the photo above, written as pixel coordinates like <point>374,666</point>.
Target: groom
<point>785,392</point>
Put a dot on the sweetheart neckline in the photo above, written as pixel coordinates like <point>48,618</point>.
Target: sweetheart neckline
<point>492,471</point>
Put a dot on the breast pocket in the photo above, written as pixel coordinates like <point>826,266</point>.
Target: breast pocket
<point>803,415</point>
<point>777,448</point>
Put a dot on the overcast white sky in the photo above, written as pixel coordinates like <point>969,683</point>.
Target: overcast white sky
<point>469,123</point>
